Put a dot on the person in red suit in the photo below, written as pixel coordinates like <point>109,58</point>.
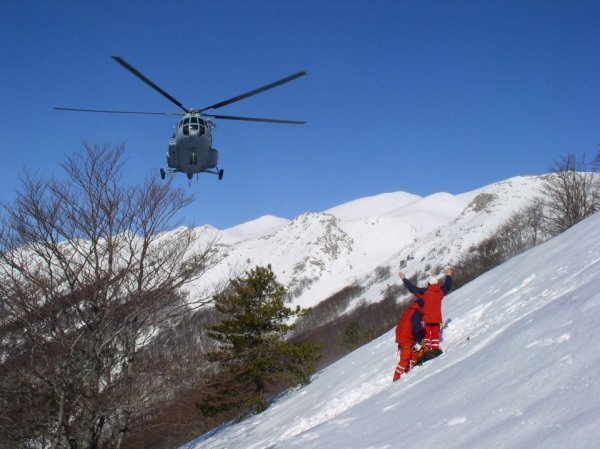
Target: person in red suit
<point>432,296</point>
<point>408,333</point>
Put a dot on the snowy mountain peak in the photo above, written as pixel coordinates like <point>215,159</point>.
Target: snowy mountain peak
<point>255,229</point>
<point>373,206</point>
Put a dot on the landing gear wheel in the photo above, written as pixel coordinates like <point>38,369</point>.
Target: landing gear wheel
<point>221,174</point>
<point>189,175</point>
<point>162,173</point>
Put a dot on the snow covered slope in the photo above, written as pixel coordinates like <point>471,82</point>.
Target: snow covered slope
<point>520,369</point>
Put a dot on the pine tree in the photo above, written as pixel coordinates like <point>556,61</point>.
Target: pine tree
<point>254,356</point>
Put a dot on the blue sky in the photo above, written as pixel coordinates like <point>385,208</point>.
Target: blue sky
<point>418,96</point>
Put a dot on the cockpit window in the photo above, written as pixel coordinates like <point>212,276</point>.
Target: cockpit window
<point>193,124</point>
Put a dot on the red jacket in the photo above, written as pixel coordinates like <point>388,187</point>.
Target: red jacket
<point>432,310</point>
<point>405,332</point>
<point>432,295</point>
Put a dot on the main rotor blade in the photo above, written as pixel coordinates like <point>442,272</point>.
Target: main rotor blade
<point>117,112</point>
<point>254,119</point>
<point>255,91</point>
<point>148,82</point>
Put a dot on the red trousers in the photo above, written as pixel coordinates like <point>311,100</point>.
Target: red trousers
<point>432,336</point>
<point>406,360</point>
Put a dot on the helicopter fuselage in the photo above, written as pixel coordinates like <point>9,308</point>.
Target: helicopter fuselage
<point>190,148</point>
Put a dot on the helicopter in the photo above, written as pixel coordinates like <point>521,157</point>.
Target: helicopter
<point>190,149</point>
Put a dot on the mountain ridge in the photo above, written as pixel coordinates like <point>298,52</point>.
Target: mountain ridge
<point>318,253</point>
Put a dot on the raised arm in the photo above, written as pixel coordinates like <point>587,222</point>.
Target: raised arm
<point>410,286</point>
<point>448,282</point>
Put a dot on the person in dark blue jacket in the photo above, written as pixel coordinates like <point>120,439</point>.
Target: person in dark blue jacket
<point>408,333</point>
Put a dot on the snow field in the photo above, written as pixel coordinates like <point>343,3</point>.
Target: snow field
<point>520,369</point>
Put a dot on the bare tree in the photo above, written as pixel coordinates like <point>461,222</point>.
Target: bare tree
<point>88,276</point>
<point>596,169</point>
<point>572,193</point>
<point>522,231</point>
